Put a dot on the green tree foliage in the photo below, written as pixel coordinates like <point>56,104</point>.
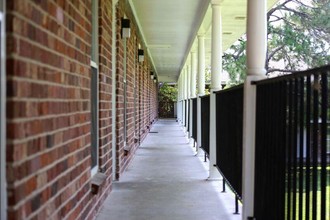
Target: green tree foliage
<point>167,95</point>
<point>234,61</point>
<point>207,80</point>
<point>298,38</point>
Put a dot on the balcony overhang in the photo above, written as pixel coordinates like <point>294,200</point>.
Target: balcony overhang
<point>170,28</point>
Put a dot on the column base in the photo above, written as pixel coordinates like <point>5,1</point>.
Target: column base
<point>214,174</point>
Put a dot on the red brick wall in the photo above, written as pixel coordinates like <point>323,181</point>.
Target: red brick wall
<point>89,208</point>
<point>122,158</point>
<point>119,92</point>
<point>48,70</point>
<point>105,80</point>
<point>48,106</point>
<point>139,73</point>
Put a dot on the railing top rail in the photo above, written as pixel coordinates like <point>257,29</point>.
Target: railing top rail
<point>230,89</point>
<point>294,75</point>
<point>204,96</point>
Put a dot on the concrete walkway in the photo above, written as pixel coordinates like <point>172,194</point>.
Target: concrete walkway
<point>165,181</point>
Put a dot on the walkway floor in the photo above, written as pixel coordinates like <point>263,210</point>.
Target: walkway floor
<point>165,181</point>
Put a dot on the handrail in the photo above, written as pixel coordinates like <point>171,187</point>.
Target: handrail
<point>229,89</point>
<point>293,75</point>
<point>204,96</point>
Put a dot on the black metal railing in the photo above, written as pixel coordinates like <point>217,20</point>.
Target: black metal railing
<point>229,127</point>
<point>205,123</point>
<point>292,165</point>
<point>182,110</point>
<point>166,109</point>
<point>185,113</point>
<point>188,115</point>
<point>194,119</point>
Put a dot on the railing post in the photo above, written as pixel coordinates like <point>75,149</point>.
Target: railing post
<point>188,78</point>
<point>256,56</point>
<point>188,99</point>
<point>183,96</point>
<point>179,100</point>
<point>249,116</point>
<point>201,86</point>
<point>192,89</point>
<point>216,69</point>
<point>213,172</point>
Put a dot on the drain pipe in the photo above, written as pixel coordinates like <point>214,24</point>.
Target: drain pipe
<point>114,113</point>
<point>3,182</point>
<point>125,95</point>
<point>134,88</point>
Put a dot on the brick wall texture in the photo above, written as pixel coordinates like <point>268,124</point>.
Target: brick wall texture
<point>48,158</point>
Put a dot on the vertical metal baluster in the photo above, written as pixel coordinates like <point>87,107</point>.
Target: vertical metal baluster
<point>289,150</point>
<point>315,143</point>
<point>301,144</point>
<point>308,146</point>
<point>236,205</point>
<point>283,89</point>
<point>324,109</point>
<point>223,185</point>
<point>295,147</point>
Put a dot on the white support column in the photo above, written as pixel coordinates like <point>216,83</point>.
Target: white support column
<point>193,75</point>
<point>178,100</point>
<point>193,72</point>
<point>188,97</point>
<point>201,85</point>
<point>185,82</point>
<point>216,69</point>
<point>181,98</point>
<point>216,56</point>
<point>188,80</point>
<point>184,96</point>
<point>256,56</point>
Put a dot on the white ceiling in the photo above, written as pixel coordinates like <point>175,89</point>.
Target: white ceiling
<point>170,27</point>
